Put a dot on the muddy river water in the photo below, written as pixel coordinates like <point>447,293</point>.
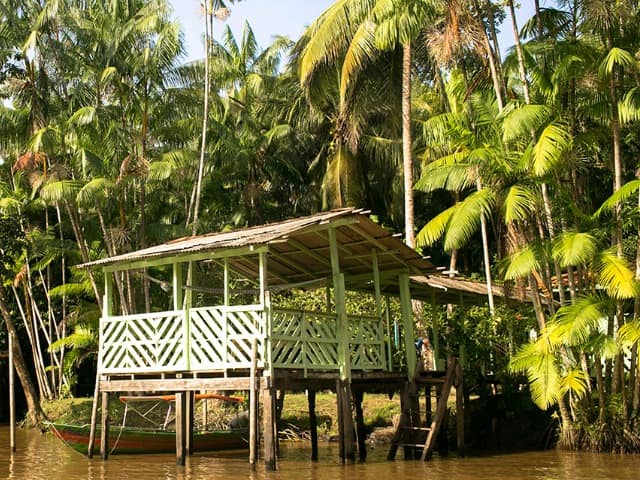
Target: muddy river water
<point>44,457</point>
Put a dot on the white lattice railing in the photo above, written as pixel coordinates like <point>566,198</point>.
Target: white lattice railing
<point>367,343</point>
<point>150,342</point>
<point>305,340</point>
<point>220,338</point>
<point>309,340</point>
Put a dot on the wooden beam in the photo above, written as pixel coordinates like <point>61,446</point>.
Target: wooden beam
<point>460,409</point>
<point>369,238</point>
<point>180,429</point>
<point>345,421</point>
<point>170,385</point>
<point>189,422</point>
<point>407,323</point>
<point>254,439</point>
<point>185,257</point>
<point>12,397</point>
<point>269,430</point>
<point>282,260</point>
<point>313,424</point>
<point>321,259</point>
<point>360,427</point>
<point>104,425</point>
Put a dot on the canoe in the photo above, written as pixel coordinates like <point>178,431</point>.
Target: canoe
<point>128,440</point>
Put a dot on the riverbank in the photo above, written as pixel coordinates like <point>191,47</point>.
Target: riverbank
<point>379,414</point>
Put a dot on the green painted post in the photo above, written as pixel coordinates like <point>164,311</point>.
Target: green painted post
<point>265,301</point>
<point>177,286</point>
<point>376,285</point>
<point>188,297</point>
<point>340,303</point>
<point>344,357</point>
<point>225,317</point>
<point>407,323</point>
<point>387,317</point>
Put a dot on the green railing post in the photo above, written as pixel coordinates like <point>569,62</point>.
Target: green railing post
<point>407,323</point>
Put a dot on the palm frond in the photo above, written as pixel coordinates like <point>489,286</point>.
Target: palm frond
<point>519,204</point>
<point>574,248</point>
<point>629,333</point>
<point>466,218</point>
<point>521,121</point>
<point>615,276</point>
<point>434,229</point>
<point>575,381</point>
<point>616,57</point>
<point>522,263</point>
<point>623,193</point>
<point>553,142</point>
<point>574,324</point>
<point>62,190</point>
<point>630,106</point>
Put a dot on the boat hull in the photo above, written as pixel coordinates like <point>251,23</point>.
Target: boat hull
<point>136,441</point>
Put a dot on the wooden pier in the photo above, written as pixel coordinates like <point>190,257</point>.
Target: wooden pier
<point>231,337</point>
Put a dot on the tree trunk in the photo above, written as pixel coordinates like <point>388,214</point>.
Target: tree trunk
<point>34,411</point>
<point>407,154</point>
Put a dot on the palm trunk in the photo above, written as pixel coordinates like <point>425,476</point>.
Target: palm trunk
<point>195,199</point>
<point>34,411</point>
<point>407,154</point>
<point>84,251</point>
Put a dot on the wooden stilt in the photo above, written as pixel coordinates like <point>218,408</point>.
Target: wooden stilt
<point>360,429</point>
<point>345,422</point>
<point>94,417</point>
<point>104,426</point>
<point>269,428</point>
<point>428,404</point>
<point>254,440</point>
<point>12,398</point>
<point>313,424</point>
<point>460,410</point>
<point>441,410</point>
<point>189,424</point>
<point>180,428</point>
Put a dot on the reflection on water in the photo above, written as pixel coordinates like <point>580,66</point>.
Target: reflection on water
<point>45,457</point>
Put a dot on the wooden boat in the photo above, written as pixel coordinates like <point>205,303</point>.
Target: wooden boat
<point>129,440</point>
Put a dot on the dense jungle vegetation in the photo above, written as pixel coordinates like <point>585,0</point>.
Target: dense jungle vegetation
<point>510,165</point>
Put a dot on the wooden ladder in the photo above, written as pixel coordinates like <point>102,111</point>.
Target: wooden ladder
<point>408,435</point>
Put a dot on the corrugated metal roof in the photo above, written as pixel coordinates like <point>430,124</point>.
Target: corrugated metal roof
<point>299,254</point>
<point>258,235</point>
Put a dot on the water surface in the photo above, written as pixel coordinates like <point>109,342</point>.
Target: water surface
<point>45,457</point>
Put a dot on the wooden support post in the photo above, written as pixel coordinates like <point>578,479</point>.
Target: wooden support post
<point>460,410</point>
<point>269,430</point>
<point>436,333</point>
<point>360,428</point>
<point>107,307</point>
<point>189,424</point>
<point>428,404</point>
<point>254,440</point>
<point>180,402</point>
<point>104,427</point>
<point>94,417</point>
<point>313,424</point>
<point>345,421</point>
<point>403,422</point>
<point>12,398</point>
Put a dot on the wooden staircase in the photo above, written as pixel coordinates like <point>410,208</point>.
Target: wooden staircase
<point>410,434</point>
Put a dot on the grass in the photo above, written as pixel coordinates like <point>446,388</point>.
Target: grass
<point>378,410</point>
